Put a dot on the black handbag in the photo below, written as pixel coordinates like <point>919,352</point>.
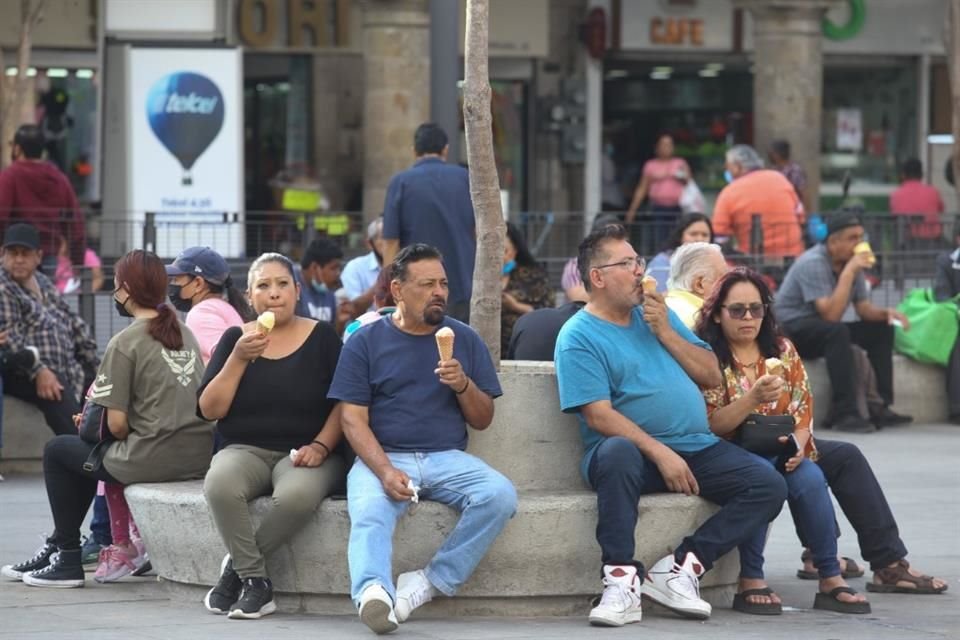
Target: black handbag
<point>94,430</point>
<point>761,434</point>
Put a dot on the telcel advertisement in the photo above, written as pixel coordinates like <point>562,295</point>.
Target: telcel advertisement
<point>185,113</point>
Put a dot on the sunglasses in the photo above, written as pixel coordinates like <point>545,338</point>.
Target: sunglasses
<point>739,311</point>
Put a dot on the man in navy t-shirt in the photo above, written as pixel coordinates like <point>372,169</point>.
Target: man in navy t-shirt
<point>630,370</point>
<point>405,413</point>
<point>430,203</point>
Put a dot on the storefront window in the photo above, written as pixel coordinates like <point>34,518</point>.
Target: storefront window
<point>869,126</point>
<point>66,109</point>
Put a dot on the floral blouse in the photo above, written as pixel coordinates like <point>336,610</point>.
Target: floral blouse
<point>795,400</point>
<point>528,285</point>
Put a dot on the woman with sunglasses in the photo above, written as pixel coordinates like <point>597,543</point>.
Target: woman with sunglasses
<point>736,322</point>
<point>742,300</point>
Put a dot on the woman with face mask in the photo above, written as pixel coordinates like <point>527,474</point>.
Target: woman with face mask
<point>147,385</point>
<point>201,287</point>
<point>525,285</point>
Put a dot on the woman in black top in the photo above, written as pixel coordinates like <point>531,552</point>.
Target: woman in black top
<point>268,392</point>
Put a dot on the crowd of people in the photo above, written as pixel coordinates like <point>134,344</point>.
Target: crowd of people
<point>667,375</point>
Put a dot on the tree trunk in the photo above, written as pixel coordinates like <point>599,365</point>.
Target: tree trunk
<point>17,107</point>
<point>484,183</point>
<point>952,42</point>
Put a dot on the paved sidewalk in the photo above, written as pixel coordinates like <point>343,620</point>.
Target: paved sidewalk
<point>917,465</point>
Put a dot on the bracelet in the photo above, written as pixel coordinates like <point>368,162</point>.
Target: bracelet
<point>325,447</point>
<point>465,387</point>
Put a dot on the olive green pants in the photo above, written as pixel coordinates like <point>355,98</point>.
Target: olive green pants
<point>240,473</point>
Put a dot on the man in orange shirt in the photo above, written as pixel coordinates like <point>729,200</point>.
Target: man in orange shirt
<point>754,191</point>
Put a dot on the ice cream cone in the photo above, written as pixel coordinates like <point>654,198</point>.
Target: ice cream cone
<point>265,322</point>
<point>864,247</point>
<point>445,338</point>
<point>649,284</point>
<point>774,366</point>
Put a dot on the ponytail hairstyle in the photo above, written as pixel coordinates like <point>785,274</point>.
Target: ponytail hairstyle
<point>236,298</point>
<point>145,279</point>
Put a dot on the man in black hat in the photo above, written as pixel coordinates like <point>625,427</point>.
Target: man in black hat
<point>810,304</point>
<point>52,354</point>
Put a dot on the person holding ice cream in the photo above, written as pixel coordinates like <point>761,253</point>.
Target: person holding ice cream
<point>811,303</point>
<point>409,385</point>
<point>266,385</point>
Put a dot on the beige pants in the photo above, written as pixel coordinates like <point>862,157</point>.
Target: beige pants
<point>240,473</point>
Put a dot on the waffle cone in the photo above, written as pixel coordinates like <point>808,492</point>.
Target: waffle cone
<point>445,347</point>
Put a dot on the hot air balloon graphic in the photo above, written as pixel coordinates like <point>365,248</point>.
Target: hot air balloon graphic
<point>185,111</point>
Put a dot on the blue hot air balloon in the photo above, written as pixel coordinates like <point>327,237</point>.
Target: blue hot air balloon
<point>185,111</point>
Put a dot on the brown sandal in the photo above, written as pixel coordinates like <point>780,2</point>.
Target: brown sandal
<point>888,579</point>
<point>851,568</point>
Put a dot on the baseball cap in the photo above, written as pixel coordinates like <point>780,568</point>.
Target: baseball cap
<point>203,262</point>
<point>22,235</point>
<point>843,221</point>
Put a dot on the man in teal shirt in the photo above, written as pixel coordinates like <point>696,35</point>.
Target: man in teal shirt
<point>629,368</point>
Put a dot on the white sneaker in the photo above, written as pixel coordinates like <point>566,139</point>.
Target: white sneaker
<point>376,610</point>
<point>677,587</point>
<point>413,590</point>
<point>620,602</point>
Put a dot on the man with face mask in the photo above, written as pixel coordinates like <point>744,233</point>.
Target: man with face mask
<point>319,277</point>
<point>405,415</point>
<point>36,192</point>
<point>53,354</point>
<point>201,287</point>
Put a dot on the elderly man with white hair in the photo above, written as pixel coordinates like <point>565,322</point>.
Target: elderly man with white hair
<point>360,274</point>
<point>758,191</point>
<point>694,268</point>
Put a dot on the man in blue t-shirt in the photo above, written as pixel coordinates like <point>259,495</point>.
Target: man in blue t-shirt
<point>405,412</point>
<point>629,368</point>
<point>430,203</point>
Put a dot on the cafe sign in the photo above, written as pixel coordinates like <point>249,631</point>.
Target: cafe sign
<point>676,25</point>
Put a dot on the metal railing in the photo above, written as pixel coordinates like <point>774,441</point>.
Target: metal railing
<point>903,260</point>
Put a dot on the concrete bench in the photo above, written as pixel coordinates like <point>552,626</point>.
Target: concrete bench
<point>25,432</point>
<point>546,562</point>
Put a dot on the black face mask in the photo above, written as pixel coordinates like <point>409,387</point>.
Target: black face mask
<point>121,309</point>
<point>180,304</point>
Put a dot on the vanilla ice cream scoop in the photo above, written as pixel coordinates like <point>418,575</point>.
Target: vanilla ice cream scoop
<point>445,338</point>
<point>774,366</point>
<point>864,247</point>
<point>649,284</point>
<point>265,322</point>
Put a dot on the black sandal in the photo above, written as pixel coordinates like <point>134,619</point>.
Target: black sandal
<point>741,604</point>
<point>830,602</point>
<point>852,570</point>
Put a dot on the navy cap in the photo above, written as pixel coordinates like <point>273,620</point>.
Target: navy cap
<point>202,262</point>
<point>22,235</point>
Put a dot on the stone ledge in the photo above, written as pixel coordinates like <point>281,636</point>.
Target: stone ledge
<point>25,432</point>
<point>548,550</point>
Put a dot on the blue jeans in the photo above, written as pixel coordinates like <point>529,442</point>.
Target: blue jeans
<point>812,512</point>
<point>484,496</point>
<point>750,493</point>
<point>100,522</point>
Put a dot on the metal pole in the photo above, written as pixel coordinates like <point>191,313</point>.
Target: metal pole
<point>445,71</point>
<point>150,232</point>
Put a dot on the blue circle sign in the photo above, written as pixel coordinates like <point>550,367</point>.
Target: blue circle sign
<point>185,111</point>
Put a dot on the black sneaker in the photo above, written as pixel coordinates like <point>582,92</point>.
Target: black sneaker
<point>64,571</point>
<point>227,590</point>
<point>40,560</point>
<point>854,424</point>
<point>256,600</point>
<point>887,417</point>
